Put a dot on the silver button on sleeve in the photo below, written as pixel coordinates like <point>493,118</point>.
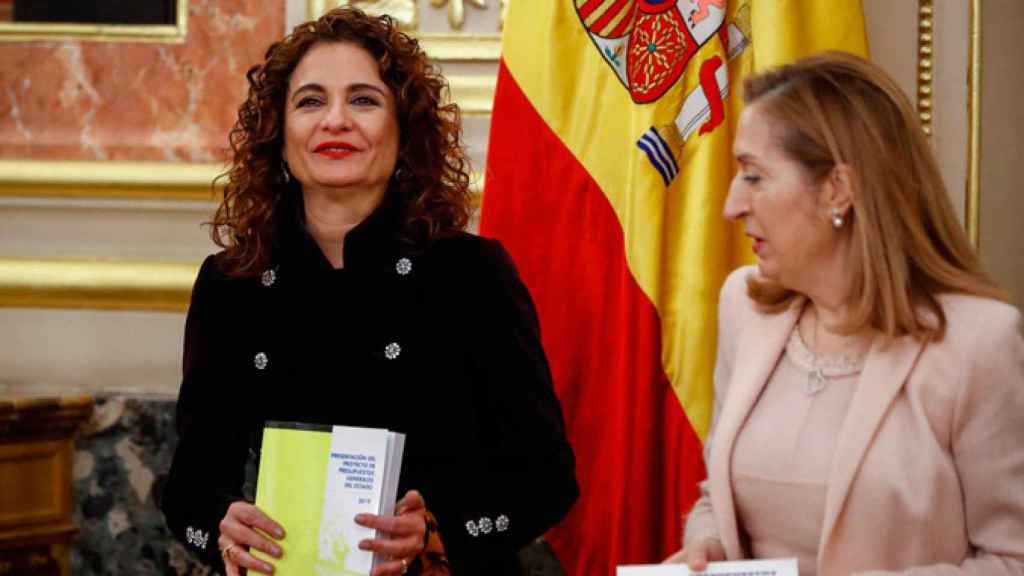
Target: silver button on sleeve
<point>268,277</point>
<point>501,523</point>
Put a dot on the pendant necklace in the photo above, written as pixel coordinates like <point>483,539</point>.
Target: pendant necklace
<point>816,376</point>
<point>823,370</point>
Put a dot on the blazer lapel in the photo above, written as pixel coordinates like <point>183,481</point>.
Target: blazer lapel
<point>762,341</point>
<point>885,371</point>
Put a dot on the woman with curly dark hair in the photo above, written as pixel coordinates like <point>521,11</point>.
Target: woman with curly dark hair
<point>348,293</point>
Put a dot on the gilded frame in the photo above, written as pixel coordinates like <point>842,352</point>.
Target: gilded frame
<point>108,179</point>
<point>925,74</point>
<point>972,208</point>
<point>96,284</point>
<point>34,31</point>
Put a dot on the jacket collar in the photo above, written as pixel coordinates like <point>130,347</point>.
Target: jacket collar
<point>372,242</point>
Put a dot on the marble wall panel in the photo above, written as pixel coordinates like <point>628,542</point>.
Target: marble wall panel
<point>86,100</point>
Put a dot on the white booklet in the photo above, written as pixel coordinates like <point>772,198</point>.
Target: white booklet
<point>314,480</point>
<point>777,567</point>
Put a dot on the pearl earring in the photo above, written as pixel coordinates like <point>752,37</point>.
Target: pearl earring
<point>837,218</point>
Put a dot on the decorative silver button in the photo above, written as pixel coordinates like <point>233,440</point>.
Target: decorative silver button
<point>260,361</point>
<point>268,277</point>
<point>501,523</point>
<point>486,525</point>
<point>197,537</point>
<point>391,351</point>
<point>472,529</point>
<point>403,266</point>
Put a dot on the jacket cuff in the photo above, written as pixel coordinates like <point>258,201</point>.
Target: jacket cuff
<point>201,534</point>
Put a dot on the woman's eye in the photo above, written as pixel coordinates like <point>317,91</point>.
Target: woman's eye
<point>751,178</point>
<point>307,101</point>
<point>364,101</point>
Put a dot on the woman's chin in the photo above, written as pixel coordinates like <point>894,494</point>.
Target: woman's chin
<point>765,270</point>
<point>339,184</point>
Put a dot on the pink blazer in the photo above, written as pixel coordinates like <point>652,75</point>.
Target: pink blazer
<point>928,472</point>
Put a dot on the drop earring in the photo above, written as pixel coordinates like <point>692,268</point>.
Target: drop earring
<point>837,218</point>
<point>284,172</point>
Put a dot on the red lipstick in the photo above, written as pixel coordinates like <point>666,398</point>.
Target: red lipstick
<point>335,149</point>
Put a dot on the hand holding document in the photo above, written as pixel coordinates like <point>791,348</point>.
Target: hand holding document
<point>314,480</point>
<point>779,567</point>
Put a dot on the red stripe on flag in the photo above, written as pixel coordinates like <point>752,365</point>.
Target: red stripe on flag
<point>626,21</point>
<point>589,7</point>
<point>608,16</point>
<point>638,458</point>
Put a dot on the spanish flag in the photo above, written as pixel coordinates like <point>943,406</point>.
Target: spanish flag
<point>608,166</point>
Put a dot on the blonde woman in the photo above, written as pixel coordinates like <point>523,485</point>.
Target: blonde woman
<point>870,376</point>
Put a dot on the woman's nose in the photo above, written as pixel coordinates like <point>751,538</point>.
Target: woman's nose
<point>336,119</point>
<point>737,204</point>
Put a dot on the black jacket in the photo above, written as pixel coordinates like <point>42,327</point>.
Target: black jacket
<point>441,342</point>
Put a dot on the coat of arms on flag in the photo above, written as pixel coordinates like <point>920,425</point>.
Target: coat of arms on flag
<point>649,44</point>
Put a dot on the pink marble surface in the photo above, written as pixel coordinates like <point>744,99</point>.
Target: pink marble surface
<point>135,101</point>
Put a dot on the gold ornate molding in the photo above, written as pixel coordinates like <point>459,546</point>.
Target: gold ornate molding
<point>457,10</point>
<point>925,37</point>
<point>32,31</point>
<point>474,94</point>
<point>449,47</point>
<point>972,209</point>
<point>101,179</point>
<point>462,47</point>
<point>96,284</point>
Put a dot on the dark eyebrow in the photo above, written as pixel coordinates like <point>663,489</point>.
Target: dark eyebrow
<point>364,86</point>
<point>314,87</point>
<point>310,87</point>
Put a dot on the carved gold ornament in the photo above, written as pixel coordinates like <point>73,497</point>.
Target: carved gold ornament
<point>457,10</point>
<point>403,11</point>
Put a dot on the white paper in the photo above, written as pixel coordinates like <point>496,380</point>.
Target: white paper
<point>362,477</point>
<point>778,567</point>
<point>392,468</point>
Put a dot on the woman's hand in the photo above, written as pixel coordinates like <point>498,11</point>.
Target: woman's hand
<point>406,529</point>
<point>245,527</point>
<point>697,554</point>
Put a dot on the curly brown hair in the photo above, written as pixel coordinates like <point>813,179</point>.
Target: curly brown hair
<point>431,181</point>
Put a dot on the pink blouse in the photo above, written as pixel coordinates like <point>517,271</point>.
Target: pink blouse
<point>784,451</point>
